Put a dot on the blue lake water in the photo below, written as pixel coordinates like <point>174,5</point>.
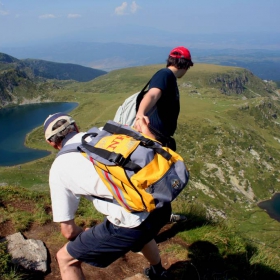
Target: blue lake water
<point>16,122</point>
<point>272,206</point>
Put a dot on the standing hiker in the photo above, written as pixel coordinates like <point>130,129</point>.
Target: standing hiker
<point>72,176</point>
<point>160,106</point>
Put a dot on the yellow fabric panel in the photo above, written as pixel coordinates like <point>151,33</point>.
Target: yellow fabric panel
<point>131,192</point>
<point>117,143</point>
<point>126,194</point>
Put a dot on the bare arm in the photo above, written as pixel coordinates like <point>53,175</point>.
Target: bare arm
<point>70,230</point>
<point>148,101</point>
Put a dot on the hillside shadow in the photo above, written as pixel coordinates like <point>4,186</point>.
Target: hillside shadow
<point>205,262</point>
<point>192,222</point>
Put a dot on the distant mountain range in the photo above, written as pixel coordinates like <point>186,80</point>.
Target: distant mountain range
<point>264,63</point>
<point>33,79</point>
<point>50,70</point>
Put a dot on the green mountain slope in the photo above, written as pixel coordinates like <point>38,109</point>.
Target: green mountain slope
<point>61,71</point>
<point>50,70</point>
<point>30,80</point>
<point>17,87</point>
<point>229,136</point>
<point>5,58</point>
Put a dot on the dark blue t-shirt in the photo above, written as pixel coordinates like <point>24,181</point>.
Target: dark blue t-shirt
<point>168,105</point>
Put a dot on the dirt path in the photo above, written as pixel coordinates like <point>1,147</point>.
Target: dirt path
<point>125,267</point>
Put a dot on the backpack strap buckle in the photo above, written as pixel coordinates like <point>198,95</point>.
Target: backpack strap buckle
<point>147,142</point>
<point>117,159</point>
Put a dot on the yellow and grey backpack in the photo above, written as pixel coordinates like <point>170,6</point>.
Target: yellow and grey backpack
<point>140,174</point>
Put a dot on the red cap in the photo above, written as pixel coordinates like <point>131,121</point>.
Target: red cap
<point>181,52</point>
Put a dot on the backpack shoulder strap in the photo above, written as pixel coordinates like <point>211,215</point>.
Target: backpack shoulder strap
<point>68,149</point>
<point>74,148</point>
<point>117,158</point>
<point>145,86</point>
<point>112,127</point>
<point>141,95</point>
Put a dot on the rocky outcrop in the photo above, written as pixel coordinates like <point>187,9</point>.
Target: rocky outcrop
<point>28,253</point>
<point>9,81</point>
<point>243,82</point>
<point>230,83</point>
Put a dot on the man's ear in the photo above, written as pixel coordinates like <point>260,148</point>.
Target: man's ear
<point>77,129</point>
<point>52,144</point>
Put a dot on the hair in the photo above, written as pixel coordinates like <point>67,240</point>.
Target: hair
<point>58,138</point>
<point>179,63</point>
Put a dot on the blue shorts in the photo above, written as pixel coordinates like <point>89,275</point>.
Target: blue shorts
<point>104,243</point>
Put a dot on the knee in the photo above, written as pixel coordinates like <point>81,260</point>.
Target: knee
<point>64,259</point>
<point>60,255</point>
<point>69,267</point>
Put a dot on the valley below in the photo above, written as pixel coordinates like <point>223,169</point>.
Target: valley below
<point>229,137</point>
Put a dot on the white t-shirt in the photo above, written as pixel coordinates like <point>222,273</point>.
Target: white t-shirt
<point>73,176</point>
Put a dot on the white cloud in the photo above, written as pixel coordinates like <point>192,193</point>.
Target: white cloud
<point>121,9</point>
<point>125,10</point>
<point>134,7</point>
<point>73,16</point>
<point>47,16</point>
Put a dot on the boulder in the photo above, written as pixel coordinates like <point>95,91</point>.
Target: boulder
<point>28,253</point>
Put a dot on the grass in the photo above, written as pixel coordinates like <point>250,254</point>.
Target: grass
<point>218,250</point>
<point>176,250</point>
<point>86,215</point>
<point>217,135</point>
<point>8,271</point>
<point>23,207</point>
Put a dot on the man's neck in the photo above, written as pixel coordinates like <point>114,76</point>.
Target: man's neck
<point>178,73</point>
<point>174,70</point>
<point>67,137</point>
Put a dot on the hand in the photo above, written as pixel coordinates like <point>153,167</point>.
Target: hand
<point>140,121</point>
<point>70,230</point>
<point>141,125</point>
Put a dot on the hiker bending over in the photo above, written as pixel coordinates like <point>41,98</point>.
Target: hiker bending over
<point>72,176</point>
<point>160,106</point>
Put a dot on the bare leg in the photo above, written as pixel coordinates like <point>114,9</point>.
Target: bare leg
<point>151,252</point>
<point>70,268</point>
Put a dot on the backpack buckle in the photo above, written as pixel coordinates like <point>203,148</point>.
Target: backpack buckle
<point>148,142</point>
<point>119,159</point>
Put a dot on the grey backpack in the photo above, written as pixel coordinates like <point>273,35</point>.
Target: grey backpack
<point>140,174</point>
<point>126,113</point>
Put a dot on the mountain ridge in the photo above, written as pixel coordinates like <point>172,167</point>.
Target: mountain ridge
<point>31,80</point>
<point>108,56</point>
<point>228,134</point>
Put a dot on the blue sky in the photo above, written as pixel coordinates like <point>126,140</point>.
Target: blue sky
<point>31,21</point>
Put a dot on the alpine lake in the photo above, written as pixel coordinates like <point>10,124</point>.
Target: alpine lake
<point>16,122</point>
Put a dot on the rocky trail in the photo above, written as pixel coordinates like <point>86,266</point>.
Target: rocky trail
<point>129,267</point>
